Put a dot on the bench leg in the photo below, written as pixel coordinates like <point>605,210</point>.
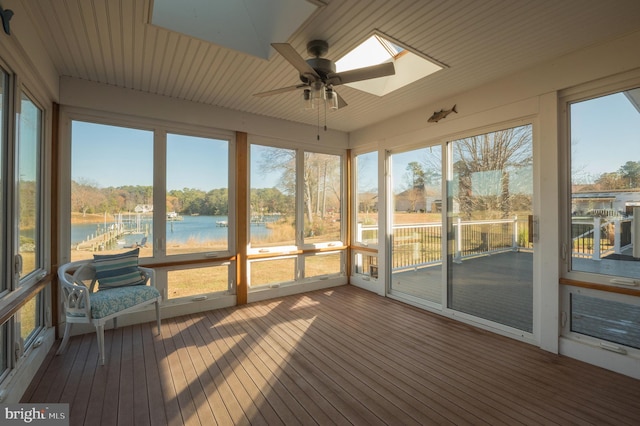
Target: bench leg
<point>100,333</point>
<point>65,338</point>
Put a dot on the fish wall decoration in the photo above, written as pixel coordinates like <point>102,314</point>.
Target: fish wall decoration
<point>439,115</point>
<point>6,15</point>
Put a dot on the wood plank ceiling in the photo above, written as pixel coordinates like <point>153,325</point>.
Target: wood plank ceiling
<point>112,42</point>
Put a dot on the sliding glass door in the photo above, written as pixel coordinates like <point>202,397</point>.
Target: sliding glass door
<point>490,227</point>
<point>468,252</point>
<point>416,231</point>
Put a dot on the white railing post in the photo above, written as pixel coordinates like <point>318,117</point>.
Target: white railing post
<point>359,232</point>
<point>514,243</point>
<point>596,239</point>
<point>457,257</point>
<point>617,236</point>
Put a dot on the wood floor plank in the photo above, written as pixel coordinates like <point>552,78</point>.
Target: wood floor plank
<point>194,388</point>
<point>245,372</point>
<point>218,350</point>
<point>204,340</point>
<point>187,407</point>
<point>339,356</point>
<point>416,397</point>
<point>155,399</point>
<point>170,399</point>
<point>275,359</point>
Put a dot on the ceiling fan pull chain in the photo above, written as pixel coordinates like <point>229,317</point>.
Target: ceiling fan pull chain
<point>318,124</point>
<point>325,116</point>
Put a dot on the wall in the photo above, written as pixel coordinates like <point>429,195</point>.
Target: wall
<point>27,55</point>
<point>507,98</point>
<point>105,98</point>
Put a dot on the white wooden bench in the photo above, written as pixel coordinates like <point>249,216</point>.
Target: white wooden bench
<point>83,303</point>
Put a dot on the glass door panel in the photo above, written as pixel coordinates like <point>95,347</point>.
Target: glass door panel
<point>490,207</point>
<point>416,243</point>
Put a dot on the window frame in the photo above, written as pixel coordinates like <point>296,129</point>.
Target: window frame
<point>300,249</point>
<point>300,245</point>
<point>159,131</point>
<point>39,270</point>
<point>566,99</point>
<point>159,259</point>
<point>355,243</point>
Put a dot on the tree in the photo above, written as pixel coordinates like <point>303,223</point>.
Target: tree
<point>85,196</point>
<point>490,157</point>
<point>321,178</point>
<point>630,172</point>
<point>608,181</point>
<point>415,181</point>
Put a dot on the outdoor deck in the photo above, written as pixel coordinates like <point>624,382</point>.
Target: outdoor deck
<point>498,287</point>
<point>339,356</point>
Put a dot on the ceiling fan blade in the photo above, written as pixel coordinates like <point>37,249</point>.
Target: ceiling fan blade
<point>341,102</point>
<point>366,73</point>
<point>280,90</point>
<point>294,58</point>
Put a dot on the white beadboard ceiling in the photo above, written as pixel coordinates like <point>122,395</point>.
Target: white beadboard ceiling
<point>112,42</point>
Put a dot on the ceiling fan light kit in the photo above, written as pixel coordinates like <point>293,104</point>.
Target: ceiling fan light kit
<point>316,97</point>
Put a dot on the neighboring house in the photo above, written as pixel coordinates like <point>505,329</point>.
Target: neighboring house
<point>143,208</point>
<point>605,203</point>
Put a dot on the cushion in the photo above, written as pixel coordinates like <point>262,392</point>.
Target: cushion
<point>108,302</point>
<point>118,270</point>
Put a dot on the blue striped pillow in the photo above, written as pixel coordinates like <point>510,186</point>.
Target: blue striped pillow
<point>118,270</point>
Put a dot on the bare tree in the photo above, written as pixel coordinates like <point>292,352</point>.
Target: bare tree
<point>490,158</point>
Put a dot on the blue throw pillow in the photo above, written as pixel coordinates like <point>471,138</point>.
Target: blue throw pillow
<point>118,270</point>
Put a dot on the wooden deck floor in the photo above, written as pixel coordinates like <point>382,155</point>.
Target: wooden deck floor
<point>339,356</point>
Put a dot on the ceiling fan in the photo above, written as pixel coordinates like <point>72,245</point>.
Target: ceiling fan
<point>318,75</point>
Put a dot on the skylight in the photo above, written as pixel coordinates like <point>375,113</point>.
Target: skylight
<point>248,26</point>
<point>377,49</point>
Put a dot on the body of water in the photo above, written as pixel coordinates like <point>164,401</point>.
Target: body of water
<point>200,228</point>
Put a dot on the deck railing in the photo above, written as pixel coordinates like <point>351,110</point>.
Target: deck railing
<point>598,237</point>
<point>418,245</point>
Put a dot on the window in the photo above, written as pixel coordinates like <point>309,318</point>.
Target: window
<point>322,198</point>
<point>5,350</point>
<point>4,113</point>
<point>272,197</point>
<point>197,281</point>
<point>117,205</point>
<point>605,187</point>
<point>365,167</point>
<point>111,190</point>
<point>295,207</point>
<point>29,185</point>
<point>197,195</point>
<point>31,319</point>
<point>23,241</point>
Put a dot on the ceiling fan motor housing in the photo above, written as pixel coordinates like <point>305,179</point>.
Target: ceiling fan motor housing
<point>322,66</point>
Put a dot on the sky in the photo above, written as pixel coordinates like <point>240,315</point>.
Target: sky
<point>116,156</point>
<point>605,134</point>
